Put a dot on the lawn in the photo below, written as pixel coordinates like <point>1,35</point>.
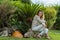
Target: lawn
<point>54,35</point>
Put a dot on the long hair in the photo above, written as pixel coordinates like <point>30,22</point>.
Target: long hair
<point>42,17</point>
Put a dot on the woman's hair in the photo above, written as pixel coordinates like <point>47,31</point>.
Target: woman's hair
<point>42,17</point>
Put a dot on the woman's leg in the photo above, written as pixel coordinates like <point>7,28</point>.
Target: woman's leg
<point>36,28</point>
<point>43,31</point>
<point>46,33</point>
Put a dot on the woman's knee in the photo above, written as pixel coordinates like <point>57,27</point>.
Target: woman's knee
<point>46,30</point>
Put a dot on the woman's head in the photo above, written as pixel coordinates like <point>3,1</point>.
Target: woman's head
<point>40,13</point>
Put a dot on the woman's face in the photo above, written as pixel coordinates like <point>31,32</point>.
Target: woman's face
<point>40,14</point>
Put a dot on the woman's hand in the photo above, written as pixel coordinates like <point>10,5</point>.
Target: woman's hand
<point>44,24</point>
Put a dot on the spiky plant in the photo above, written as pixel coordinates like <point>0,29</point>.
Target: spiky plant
<point>25,14</point>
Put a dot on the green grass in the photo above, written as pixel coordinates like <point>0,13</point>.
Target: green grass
<point>54,35</point>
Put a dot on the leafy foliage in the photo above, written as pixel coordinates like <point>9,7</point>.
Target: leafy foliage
<point>6,10</point>
<point>25,14</point>
<point>57,24</point>
<point>50,14</point>
<point>23,1</point>
<point>16,13</point>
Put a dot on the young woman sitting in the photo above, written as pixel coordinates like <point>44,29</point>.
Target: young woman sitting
<point>39,25</point>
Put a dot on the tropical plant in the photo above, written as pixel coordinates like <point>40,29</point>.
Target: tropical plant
<point>25,14</point>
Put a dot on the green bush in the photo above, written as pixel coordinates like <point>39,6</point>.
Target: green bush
<point>57,24</point>
<point>6,10</point>
<point>21,14</point>
<point>25,13</point>
<point>50,16</point>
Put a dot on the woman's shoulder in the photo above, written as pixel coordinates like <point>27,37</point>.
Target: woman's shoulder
<point>36,16</point>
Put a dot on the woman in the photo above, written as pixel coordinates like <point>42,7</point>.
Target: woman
<point>39,25</point>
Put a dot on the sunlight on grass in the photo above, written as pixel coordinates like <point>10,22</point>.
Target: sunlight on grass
<point>54,35</point>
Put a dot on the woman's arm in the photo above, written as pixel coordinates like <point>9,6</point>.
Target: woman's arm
<point>40,20</point>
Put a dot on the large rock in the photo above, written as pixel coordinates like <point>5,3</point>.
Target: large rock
<point>4,32</point>
<point>29,33</point>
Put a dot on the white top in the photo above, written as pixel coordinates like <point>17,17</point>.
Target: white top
<point>37,21</point>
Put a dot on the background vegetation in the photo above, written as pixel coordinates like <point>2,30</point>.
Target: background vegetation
<point>20,13</point>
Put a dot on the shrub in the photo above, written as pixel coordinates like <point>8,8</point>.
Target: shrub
<point>21,14</point>
<point>50,14</point>
<point>6,10</point>
<point>25,14</point>
<point>57,24</point>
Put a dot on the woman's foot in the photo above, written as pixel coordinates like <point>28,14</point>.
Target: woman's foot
<point>38,36</point>
<point>46,35</point>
